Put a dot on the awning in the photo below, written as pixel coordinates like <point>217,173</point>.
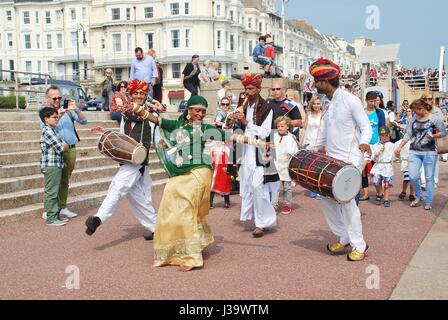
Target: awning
<point>176,94</point>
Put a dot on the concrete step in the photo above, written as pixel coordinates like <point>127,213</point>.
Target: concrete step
<point>34,125</point>
<point>10,185</point>
<point>28,145</point>
<point>35,134</point>
<point>32,168</point>
<point>75,203</point>
<point>34,155</point>
<point>31,115</point>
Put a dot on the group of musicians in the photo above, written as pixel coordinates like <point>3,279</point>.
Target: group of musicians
<point>180,229</point>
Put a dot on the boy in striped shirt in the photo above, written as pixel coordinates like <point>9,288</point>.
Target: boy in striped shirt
<point>51,163</point>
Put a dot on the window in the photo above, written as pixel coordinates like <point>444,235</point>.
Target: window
<point>231,15</point>
<point>37,16</point>
<point>50,67</point>
<point>116,42</point>
<point>218,10</point>
<point>175,41</point>
<point>75,70</point>
<point>187,38</point>
<point>27,41</point>
<point>74,39</point>
<point>249,23</point>
<point>187,8</point>
<point>84,13</point>
<point>232,42</point>
<point>174,9</point>
<point>85,72</point>
<point>260,27</point>
<point>37,41</point>
<point>8,15</point>
<point>128,13</point>
<point>129,42</point>
<point>59,40</point>
<point>218,39</point>
<point>240,45</point>
<point>58,15</point>
<point>251,48</point>
<point>73,13</point>
<point>11,67</point>
<point>48,41</point>
<point>39,66</point>
<point>149,12</point>
<point>48,17</point>
<point>119,74</point>
<point>116,14</point>
<point>28,67</point>
<point>149,40</point>
<point>26,17</point>
<point>176,70</point>
<point>10,41</point>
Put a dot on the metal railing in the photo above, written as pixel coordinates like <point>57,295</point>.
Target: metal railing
<point>13,76</point>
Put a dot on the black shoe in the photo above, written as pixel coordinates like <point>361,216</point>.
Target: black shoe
<point>92,223</point>
<point>149,237</point>
<point>379,199</point>
<point>227,205</point>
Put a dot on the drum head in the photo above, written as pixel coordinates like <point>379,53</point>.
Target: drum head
<point>346,184</point>
<point>139,155</point>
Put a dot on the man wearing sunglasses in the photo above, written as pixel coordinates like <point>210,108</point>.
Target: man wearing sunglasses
<point>66,130</point>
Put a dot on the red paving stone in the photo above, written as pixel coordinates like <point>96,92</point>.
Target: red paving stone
<point>289,263</point>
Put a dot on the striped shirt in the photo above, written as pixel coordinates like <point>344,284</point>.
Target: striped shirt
<point>52,149</point>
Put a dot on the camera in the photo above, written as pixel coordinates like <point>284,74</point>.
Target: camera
<point>66,101</point>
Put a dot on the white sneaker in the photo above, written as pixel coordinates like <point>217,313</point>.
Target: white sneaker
<point>67,213</point>
<point>44,216</point>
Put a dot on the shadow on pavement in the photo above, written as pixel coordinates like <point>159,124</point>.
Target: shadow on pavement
<point>315,240</point>
<point>132,233</point>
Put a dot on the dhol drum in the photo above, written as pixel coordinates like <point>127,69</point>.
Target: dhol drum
<point>325,175</point>
<point>122,148</point>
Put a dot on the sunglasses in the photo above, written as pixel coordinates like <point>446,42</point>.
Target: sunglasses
<point>123,87</point>
<point>56,98</point>
<point>225,104</point>
<point>276,89</point>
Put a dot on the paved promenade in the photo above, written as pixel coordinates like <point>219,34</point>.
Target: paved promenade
<point>289,263</point>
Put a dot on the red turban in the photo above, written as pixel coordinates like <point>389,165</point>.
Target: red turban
<point>324,69</point>
<point>254,79</point>
<point>135,85</point>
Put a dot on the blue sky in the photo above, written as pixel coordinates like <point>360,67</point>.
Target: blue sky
<point>421,27</point>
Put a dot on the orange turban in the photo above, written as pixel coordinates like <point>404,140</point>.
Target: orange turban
<point>135,85</point>
<point>254,79</point>
<point>324,69</point>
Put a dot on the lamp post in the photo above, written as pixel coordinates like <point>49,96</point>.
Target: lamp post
<point>284,38</point>
<point>79,27</point>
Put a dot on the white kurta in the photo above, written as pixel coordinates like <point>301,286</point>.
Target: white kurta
<point>384,162</point>
<point>255,202</point>
<point>346,127</point>
<point>284,150</point>
<point>130,183</point>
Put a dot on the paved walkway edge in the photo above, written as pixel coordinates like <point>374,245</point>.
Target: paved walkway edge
<point>426,276</point>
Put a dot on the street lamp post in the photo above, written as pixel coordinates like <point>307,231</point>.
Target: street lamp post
<point>284,38</point>
<point>79,28</point>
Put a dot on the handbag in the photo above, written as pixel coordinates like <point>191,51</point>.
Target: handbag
<point>442,145</point>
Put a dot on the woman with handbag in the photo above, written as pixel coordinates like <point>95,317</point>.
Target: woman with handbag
<point>190,76</point>
<point>422,131</point>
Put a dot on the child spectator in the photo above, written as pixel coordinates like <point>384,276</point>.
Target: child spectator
<point>404,167</point>
<point>52,163</point>
<point>383,171</point>
<point>285,147</point>
<point>221,182</point>
<point>270,56</point>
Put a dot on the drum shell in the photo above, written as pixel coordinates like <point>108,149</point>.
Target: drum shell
<point>121,148</point>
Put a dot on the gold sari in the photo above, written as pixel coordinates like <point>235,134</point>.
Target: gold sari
<point>182,231</point>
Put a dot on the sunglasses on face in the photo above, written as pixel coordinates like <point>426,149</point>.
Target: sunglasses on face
<point>56,98</point>
<point>276,89</point>
<point>123,87</point>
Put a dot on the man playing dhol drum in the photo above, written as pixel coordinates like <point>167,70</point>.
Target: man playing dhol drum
<point>346,138</point>
<point>132,181</point>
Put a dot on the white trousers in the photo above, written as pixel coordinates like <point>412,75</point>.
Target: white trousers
<point>436,173</point>
<point>136,187</point>
<point>255,201</point>
<point>345,222</point>
<point>273,188</point>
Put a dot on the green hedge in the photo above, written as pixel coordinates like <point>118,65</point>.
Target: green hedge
<point>9,102</point>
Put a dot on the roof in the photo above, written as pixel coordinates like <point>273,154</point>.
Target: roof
<point>379,54</point>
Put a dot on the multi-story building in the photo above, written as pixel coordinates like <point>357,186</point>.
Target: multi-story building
<point>60,37</point>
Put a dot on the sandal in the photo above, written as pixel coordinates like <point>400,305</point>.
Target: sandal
<point>386,203</point>
<point>402,196</point>
<point>428,207</point>
<point>412,197</point>
<point>379,199</point>
<point>415,203</point>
